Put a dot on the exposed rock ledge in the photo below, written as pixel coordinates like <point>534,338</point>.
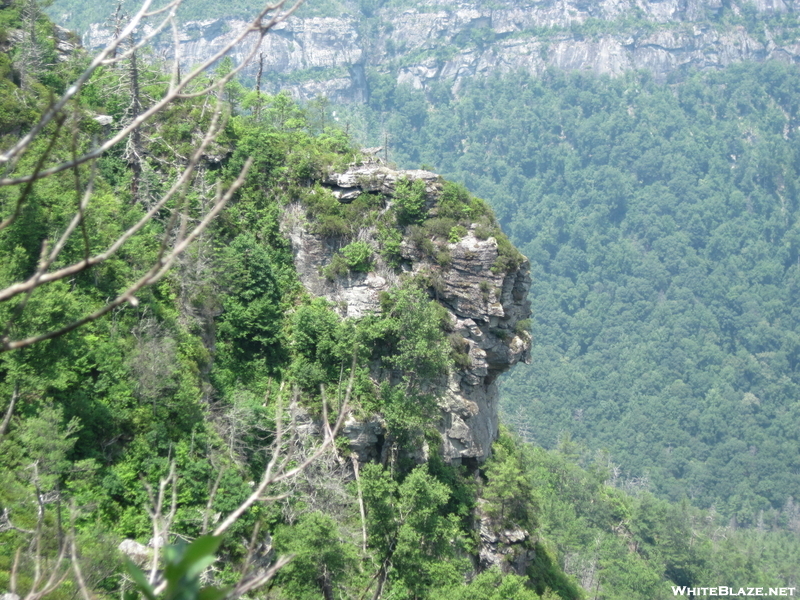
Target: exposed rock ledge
<point>485,308</point>
<point>507,549</point>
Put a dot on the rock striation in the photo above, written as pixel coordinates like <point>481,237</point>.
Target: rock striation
<point>506,549</point>
<point>486,309</point>
<point>451,42</point>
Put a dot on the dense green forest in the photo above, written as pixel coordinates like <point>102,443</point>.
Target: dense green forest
<point>662,225</point>
<point>195,376</point>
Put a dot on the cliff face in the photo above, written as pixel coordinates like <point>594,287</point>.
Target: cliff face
<point>448,42</point>
<point>485,310</point>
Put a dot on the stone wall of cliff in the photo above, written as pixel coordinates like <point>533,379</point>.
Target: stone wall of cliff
<point>486,308</point>
<point>449,42</point>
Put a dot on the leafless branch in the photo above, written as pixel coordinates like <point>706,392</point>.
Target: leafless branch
<point>257,26</point>
<point>13,154</point>
<point>179,88</point>
<point>251,584</point>
<point>155,273</point>
<point>76,569</point>
<point>9,412</point>
<point>360,503</point>
<point>209,504</point>
<point>275,472</point>
<point>42,278</point>
<point>161,522</point>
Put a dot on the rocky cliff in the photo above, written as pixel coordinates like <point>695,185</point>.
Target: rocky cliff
<point>486,307</point>
<point>450,41</point>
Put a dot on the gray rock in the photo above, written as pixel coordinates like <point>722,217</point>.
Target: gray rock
<point>365,438</point>
<point>372,177</point>
<point>507,549</point>
<point>484,308</point>
<point>66,43</point>
<point>138,553</point>
<point>334,47</point>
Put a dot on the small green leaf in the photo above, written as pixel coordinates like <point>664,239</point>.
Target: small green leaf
<point>139,579</point>
<point>199,554</point>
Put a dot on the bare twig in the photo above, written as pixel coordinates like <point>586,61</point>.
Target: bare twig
<point>155,273</point>
<point>257,26</point>
<point>9,411</point>
<point>161,522</point>
<point>76,568</point>
<point>210,502</point>
<point>360,503</point>
<point>178,88</point>
<point>13,154</point>
<point>256,582</point>
<point>75,268</point>
<point>272,476</point>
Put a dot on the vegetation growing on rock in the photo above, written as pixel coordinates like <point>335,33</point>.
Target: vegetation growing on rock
<point>195,376</point>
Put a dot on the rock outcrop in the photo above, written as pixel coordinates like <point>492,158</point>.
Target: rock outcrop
<point>507,549</point>
<point>486,308</point>
<point>451,42</point>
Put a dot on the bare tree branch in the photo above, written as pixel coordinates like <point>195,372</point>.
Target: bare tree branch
<point>178,88</point>
<point>257,26</point>
<point>155,273</point>
<point>9,412</point>
<point>161,522</point>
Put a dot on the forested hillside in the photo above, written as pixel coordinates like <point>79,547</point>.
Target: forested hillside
<point>141,436</point>
<point>661,222</point>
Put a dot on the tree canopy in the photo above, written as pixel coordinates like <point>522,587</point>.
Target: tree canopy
<point>661,223</point>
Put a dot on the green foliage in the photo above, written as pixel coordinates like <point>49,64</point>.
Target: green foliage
<point>329,217</point>
<point>548,575</point>
<point>409,526</point>
<point>491,585</point>
<point>408,337</point>
<point>523,326</point>
<point>508,490</point>
<point>625,544</point>
<point>456,233</point>
<point>358,256</point>
<point>660,224</point>
<point>390,240</point>
<point>321,560</point>
<point>321,346</point>
<point>47,445</point>
<point>409,199</point>
<point>190,376</point>
<point>338,267</point>
<point>412,333</point>
<point>252,307</point>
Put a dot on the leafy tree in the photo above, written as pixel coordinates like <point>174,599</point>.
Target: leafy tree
<point>508,490</point>
<point>492,585</point>
<point>417,543</point>
<point>321,557</point>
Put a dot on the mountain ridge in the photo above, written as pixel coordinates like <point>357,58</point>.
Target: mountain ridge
<point>426,46</point>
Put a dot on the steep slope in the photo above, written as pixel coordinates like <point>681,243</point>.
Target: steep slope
<point>191,377</point>
<point>340,52</point>
<point>487,306</point>
<point>661,222</point>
